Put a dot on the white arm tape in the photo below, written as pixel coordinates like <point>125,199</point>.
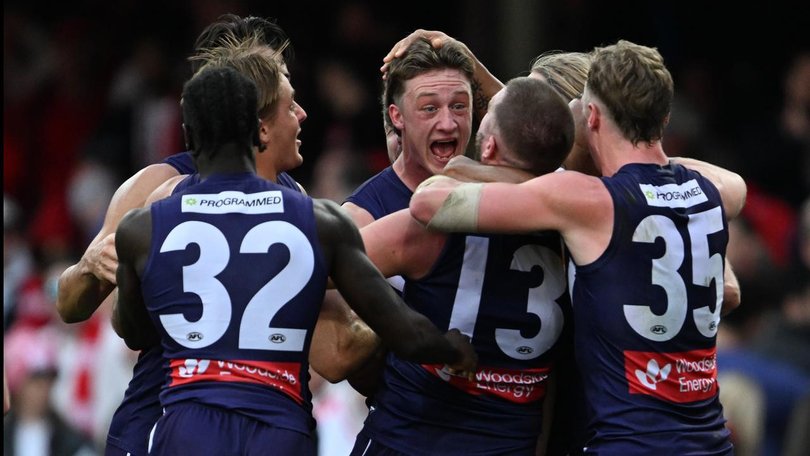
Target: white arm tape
<point>459,212</point>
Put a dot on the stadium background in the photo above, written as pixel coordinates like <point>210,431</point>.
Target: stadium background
<point>90,96</point>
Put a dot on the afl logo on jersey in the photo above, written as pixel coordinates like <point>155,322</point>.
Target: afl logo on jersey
<point>194,336</point>
<point>277,338</point>
<point>658,329</point>
<point>524,350</point>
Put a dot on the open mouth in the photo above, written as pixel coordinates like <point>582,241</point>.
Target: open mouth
<point>443,151</point>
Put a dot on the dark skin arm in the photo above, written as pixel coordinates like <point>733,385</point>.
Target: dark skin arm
<point>409,334</point>
<point>130,318</point>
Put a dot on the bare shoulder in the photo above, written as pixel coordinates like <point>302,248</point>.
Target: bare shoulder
<point>165,189</point>
<point>360,216</point>
<point>134,192</point>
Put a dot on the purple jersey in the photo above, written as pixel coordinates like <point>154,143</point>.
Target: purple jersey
<point>140,408</point>
<point>646,315</point>
<point>509,294</point>
<point>183,162</point>
<point>382,194</point>
<point>234,283</point>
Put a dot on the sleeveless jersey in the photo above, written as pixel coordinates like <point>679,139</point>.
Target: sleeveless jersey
<point>140,409</point>
<point>234,283</point>
<point>509,294</point>
<point>183,162</point>
<point>646,315</point>
<point>383,194</point>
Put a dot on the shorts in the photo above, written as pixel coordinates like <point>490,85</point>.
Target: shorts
<point>191,428</point>
<point>365,446</point>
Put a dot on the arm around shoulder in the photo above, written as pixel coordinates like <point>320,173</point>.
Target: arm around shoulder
<point>731,185</point>
<point>406,332</point>
<point>85,285</point>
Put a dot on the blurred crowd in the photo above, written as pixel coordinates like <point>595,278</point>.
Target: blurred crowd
<point>87,102</point>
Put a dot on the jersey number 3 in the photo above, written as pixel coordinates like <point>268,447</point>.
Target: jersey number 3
<point>541,302</point>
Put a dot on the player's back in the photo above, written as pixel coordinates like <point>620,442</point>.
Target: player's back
<point>234,283</point>
<point>140,408</point>
<point>509,294</point>
<point>646,315</point>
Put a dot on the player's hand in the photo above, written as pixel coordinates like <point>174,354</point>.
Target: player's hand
<point>467,365</point>
<point>436,38</point>
<point>101,259</point>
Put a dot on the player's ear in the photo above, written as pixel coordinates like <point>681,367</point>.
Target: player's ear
<point>489,150</point>
<point>262,135</point>
<point>187,136</point>
<point>396,116</point>
<point>257,141</point>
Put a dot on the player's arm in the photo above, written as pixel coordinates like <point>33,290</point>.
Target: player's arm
<point>731,185</point>
<point>129,318</point>
<point>360,216</point>
<point>84,285</point>
<point>575,204</point>
<point>399,245</point>
<point>485,84</point>
<point>732,296</point>
<point>342,342</point>
<point>164,190</point>
<point>446,204</point>
<point>406,332</point>
<point>468,170</point>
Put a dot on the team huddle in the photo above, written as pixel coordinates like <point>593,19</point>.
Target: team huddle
<point>558,294</point>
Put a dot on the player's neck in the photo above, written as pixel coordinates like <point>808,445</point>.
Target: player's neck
<point>227,160</point>
<point>409,171</point>
<point>267,171</point>
<point>624,152</point>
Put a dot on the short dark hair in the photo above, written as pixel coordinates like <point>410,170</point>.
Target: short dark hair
<point>422,57</point>
<point>535,123</point>
<point>219,107</point>
<point>241,28</point>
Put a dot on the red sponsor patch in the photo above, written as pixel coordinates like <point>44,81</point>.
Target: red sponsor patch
<point>282,376</point>
<point>673,377</point>
<point>520,386</point>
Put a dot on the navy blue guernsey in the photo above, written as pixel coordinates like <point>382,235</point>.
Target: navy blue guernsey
<point>382,194</point>
<point>646,316</point>
<point>509,294</point>
<point>140,408</point>
<point>183,162</point>
<point>234,283</point>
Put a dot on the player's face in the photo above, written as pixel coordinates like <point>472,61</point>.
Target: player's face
<point>283,126</point>
<point>435,118</point>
